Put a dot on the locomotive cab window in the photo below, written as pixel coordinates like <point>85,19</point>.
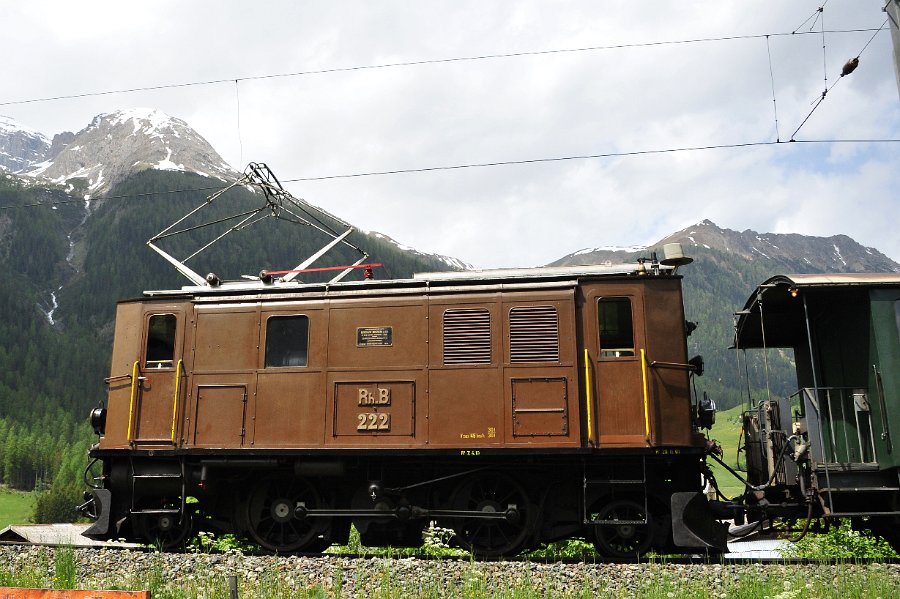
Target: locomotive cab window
<point>616,327</point>
<point>161,341</point>
<point>287,341</point>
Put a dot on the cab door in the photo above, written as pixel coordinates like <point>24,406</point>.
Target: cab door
<point>157,385</point>
<point>614,337</point>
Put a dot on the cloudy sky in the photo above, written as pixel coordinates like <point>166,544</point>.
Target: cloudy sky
<point>622,91</point>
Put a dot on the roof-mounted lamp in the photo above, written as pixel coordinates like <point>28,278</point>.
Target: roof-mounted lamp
<point>674,256</point>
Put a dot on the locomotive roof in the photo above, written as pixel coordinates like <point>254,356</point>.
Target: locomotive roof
<point>506,278</point>
<point>776,298</point>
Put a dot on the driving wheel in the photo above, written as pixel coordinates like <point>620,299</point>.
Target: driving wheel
<point>166,529</point>
<point>623,529</point>
<point>273,519</point>
<point>492,493</point>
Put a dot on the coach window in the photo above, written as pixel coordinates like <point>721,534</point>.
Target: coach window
<point>161,341</point>
<point>616,327</point>
<point>287,341</point>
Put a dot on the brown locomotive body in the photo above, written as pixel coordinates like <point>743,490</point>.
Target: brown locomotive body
<point>516,407</point>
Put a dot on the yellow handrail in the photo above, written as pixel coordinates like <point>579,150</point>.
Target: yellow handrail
<point>646,394</point>
<point>175,398</point>
<point>134,382</point>
<point>587,391</point>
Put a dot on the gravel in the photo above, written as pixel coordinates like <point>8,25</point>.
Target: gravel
<point>332,576</point>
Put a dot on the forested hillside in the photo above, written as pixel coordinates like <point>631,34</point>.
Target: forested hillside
<point>64,264</point>
<point>716,285</point>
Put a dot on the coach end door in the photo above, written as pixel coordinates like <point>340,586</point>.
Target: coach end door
<point>156,386</point>
<point>614,338</point>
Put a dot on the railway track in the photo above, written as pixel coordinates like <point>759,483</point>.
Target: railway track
<point>332,575</point>
<point>738,557</point>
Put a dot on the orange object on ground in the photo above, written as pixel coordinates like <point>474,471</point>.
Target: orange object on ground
<point>11,593</point>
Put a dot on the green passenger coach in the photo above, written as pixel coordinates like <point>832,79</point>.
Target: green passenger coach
<point>835,443</point>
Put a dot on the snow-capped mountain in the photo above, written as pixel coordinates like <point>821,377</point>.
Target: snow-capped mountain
<point>121,143</point>
<point>791,252</point>
<point>20,146</point>
<point>438,260</point>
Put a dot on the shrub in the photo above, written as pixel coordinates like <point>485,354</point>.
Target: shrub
<point>841,541</point>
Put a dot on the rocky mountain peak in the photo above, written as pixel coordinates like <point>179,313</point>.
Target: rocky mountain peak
<point>118,144</point>
<point>786,252</point>
<point>20,146</point>
<point>802,253</point>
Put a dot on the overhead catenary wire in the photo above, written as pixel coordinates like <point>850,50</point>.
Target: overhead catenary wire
<point>415,63</point>
<point>237,81</point>
<point>237,98</point>
<point>625,154</point>
<point>582,157</point>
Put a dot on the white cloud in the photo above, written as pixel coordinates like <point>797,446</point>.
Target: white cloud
<point>561,104</point>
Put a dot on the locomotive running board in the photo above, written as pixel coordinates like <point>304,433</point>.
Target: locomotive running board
<point>694,524</point>
<point>511,513</point>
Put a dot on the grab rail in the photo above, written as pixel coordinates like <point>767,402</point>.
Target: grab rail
<point>175,397</point>
<point>646,394</point>
<point>134,383</point>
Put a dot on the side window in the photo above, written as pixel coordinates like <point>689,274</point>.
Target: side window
<point>467,336</point>
<point>161,341</point>
<point>287,341</point>
<point>616,327</point>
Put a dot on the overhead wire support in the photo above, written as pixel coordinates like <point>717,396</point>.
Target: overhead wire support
<point>815,15</point>
<point>772,79</point>
<point>237,97</point>
<point>847,69</point>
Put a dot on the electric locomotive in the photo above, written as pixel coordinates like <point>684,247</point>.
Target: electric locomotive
<point>516,407</point>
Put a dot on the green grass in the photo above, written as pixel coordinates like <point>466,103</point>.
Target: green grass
<point>388,578</point>
<point>727,431</point>
<point>16,507</point>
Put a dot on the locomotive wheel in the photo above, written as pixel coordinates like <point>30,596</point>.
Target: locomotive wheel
<point>492,492</point>
<point>272,519</point>
<point>631,537</point>
<point>166,531</point>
